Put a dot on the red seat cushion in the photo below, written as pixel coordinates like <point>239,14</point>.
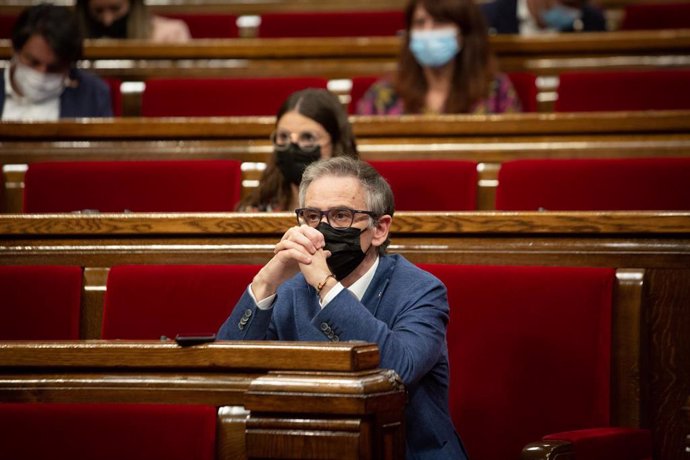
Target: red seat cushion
<point>107,431</point>
<point>332,24</point>
<point>205,25</point>
<point>148,301</point>
<point>654,16</point>
<point>40,302</point>
<point>205,97</point>
<point>529,353</point>
<point>594,184</point>
<point>431,185</point>
<point>138,186</point>
<point>659,89</point>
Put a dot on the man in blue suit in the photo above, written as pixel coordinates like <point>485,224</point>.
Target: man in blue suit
<point>330,279</point>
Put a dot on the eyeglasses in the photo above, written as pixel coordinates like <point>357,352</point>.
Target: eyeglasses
<point>307,140</point>
<point>336,217</point>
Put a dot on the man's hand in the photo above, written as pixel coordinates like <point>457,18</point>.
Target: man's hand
<point>299,247</point>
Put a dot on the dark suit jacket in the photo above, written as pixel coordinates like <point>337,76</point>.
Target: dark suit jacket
<point>404,311</point>
<point>89,98</point>
<point>501,16</point>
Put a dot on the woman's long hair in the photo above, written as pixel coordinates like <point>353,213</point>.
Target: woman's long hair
<point>472,74</point>
<point>139,21</point>
<point>324,108</point>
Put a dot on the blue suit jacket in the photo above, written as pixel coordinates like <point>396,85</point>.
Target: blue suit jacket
<point>501,16</point>
<point>404,311</point>
<point>89,98</point>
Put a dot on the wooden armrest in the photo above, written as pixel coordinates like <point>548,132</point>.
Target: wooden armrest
<point>548,450</point>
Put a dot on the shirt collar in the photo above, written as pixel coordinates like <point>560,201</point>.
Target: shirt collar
<point>359,287</point>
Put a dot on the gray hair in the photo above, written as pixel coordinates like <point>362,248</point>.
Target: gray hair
<point>378,194</point>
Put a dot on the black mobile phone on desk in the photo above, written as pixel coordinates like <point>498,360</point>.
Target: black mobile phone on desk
<point>188,340</point>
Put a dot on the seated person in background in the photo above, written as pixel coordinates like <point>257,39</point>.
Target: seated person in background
<point>41,82</point>
<point>532,17</point>
<point>310,125</point>
<point>445,66</point>
<point>128,19</point>
<point>330,279</point>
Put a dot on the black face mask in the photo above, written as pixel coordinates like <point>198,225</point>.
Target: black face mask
<point>117,29</point>
<point>293,161</point>
<point>345,247</point>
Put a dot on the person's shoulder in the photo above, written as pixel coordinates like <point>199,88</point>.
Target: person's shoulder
<point>86,81</point>
<point>169,30</point>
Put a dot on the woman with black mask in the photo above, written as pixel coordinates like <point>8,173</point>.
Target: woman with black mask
<point>128,19</point>
<point>311,125</point>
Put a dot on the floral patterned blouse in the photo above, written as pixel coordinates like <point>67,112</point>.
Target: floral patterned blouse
<point>381,99</point>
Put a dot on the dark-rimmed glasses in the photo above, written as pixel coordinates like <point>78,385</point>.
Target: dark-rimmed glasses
<point>308,141</point>
<point>337,217</point>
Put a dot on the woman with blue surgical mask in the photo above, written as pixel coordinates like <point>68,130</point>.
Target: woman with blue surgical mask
<point>445,66</point>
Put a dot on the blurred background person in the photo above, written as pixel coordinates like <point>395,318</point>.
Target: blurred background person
<point>128,19</point>
<point>445,66</point>
<point>310,125</point>
<point>42,82</point>
<point>531,17</point>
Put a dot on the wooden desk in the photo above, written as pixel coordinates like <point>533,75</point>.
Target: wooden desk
<point>294,400</point>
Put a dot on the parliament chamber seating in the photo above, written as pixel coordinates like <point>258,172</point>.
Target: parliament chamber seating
<point>431,185</point>
<point>194,97</point>
<point>656,16</point>
<point>594,184</point>
<point>208,25</point>
<point>115,86</point>
<point>40,302</point>
<point>83,431</point>
<point>657,89</point>
<point>136,186</point>
<point>530,352</point>
<point>149,301</point>
<point>331,24</point>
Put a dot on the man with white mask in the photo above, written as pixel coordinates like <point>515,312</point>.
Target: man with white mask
<point>41,82</point>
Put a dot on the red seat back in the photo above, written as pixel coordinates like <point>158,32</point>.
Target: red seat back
<point>7,21</point>
<point>360,85</point>
<point>196,97</point>
<point>149,301</point>
<point>139,186</point>
<point>529,352</point>
<point>659,89</point>
<point>525,85</point>
<point>431,185</point>
<point>107,431</point>
<point>655,16</point>
<point>207,25</point>
<point>40,302</point>
<point>115,95</point>
<point>331,24</point>
<point>594,184</point>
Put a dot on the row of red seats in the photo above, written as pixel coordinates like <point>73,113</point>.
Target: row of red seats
<point>215,185</point>
<point>578,91</point>
<point>499,339</point>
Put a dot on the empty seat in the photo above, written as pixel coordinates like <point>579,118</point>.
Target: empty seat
<point>431,185</point>
<point>107,431</point>
<point>138,186</point>
<point>331,24</point>
<point>656,16</point>
<point>594,184</point>
<point>150,301</point>
<point>530,356</point>
<point>195,97</point>
<point>40,302</point>
<point>207,25</point>
<point>658,89</point>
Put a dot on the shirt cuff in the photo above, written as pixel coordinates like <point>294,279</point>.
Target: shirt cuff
<point>264,304</point>
<point>335,290</point>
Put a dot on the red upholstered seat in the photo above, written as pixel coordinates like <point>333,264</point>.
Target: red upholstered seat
<point>594,184</point>
<point>115,95</point>
<point>331,24</point>
<point>652,15</point>
<point>149,301</point>
<point>7,21</point>
<point>195,97</point>
<point>40,302</point>
<point>658,89</point>
<point>530,355</point>
<point>360,85</point>
<point>138,186</point>
<point>431,185</point>
<point>206,25</point>
<point>107,431</point>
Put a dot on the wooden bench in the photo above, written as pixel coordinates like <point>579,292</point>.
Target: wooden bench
<point>650,250</point>
<point>487,140</point>
<point>277,399</point>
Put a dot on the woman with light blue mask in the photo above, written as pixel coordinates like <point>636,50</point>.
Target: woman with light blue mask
<point>445,66</point>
